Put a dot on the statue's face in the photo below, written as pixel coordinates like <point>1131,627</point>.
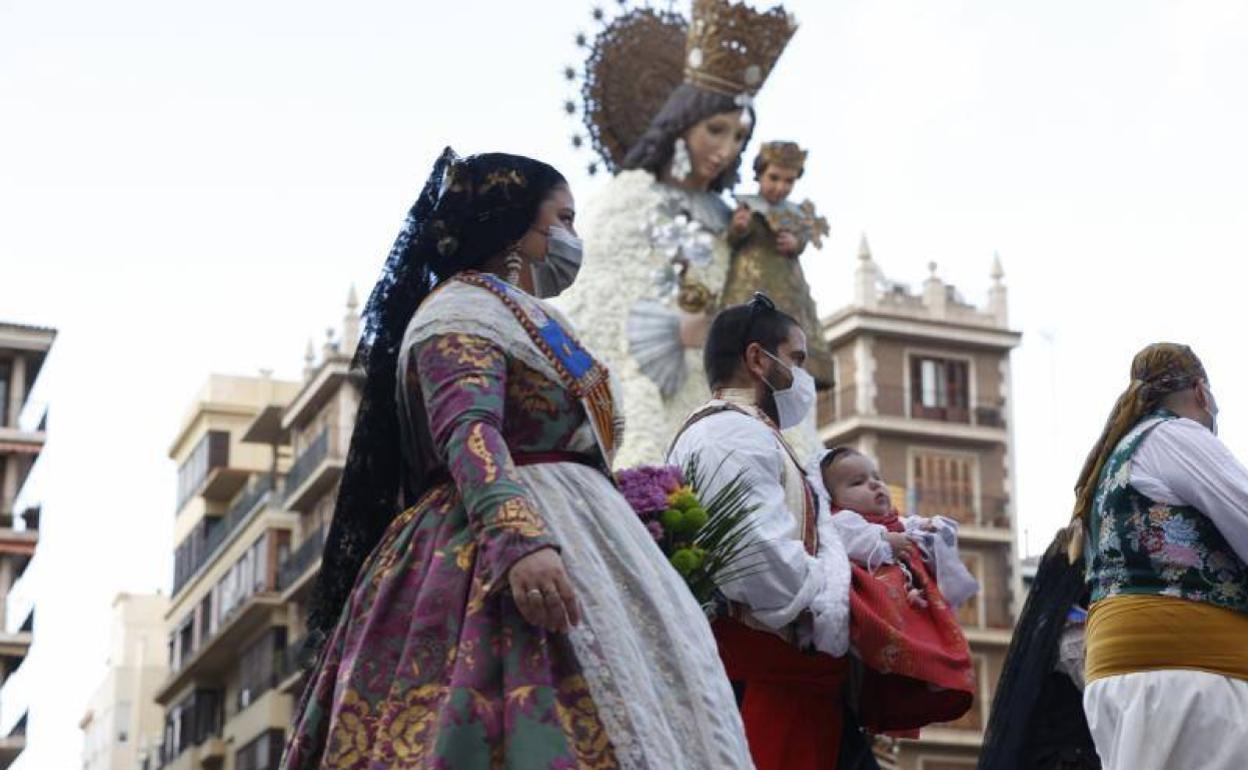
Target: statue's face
<point>714,146</point>
<point>776,183</point>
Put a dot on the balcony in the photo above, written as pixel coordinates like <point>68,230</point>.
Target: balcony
<point>13,744</point>
<point>192,735</point>
<point>217,531</point>
<point>217,654</point>
<point>242,602</point>
<point>292,667</point>
<point>15,646</point>
<point>986,518</point>
<point>849,411</point>
<point>28,433</point>
<point>17,544</point>
<point>207,471</point>
<point>314,471</point>
<point>295,574</point>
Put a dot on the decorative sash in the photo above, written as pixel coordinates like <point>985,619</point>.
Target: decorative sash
<point>586,378</point>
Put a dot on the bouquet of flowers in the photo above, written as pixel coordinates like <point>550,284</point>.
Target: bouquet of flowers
<point>706,539</point>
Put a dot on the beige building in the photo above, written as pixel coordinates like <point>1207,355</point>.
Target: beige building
<point>123,724</point>
<point>923,385</point>
<point>258,465</point>
<point>23,431</point>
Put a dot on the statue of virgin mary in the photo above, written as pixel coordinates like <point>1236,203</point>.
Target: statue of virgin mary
<point>668,105</point>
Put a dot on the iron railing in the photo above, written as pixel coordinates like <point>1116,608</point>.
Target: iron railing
<point>898,401</point>
<point>307,462</point>
<point>239,513</point>
<point>300,559</point>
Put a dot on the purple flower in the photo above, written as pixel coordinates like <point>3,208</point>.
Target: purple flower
<point>646,488</point>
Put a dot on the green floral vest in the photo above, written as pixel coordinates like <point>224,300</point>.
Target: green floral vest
<point>1139,546</point>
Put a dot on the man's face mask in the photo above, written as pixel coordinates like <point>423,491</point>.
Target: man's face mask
<point>794,402</point>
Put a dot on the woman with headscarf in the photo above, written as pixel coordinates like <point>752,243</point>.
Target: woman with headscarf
<point>1162,515</point>
<point>487,597</point>
<point>668,105</point>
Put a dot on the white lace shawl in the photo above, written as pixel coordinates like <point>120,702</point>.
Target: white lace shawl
<point>460,308</point>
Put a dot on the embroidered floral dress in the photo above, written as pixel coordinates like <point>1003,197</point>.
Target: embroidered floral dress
<point>432,665</point>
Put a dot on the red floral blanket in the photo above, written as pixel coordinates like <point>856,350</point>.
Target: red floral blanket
<point>918,664</point>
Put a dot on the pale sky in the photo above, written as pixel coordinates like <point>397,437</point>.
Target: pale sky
<point>191,188</point>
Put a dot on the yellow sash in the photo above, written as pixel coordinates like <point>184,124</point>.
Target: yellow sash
<point>1134,633</point>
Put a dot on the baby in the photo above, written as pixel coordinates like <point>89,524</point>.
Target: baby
<point>874,534</point>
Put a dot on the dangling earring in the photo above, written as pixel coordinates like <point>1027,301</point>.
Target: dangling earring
<point>682,166</point>
<point>513,262</point>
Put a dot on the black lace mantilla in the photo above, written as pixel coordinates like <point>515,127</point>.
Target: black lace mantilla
<point>470,209</point>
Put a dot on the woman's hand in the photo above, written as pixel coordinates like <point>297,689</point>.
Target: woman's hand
<point>901,545</point>
<point>543,592</point>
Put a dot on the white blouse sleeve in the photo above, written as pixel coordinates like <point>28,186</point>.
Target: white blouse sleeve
<point>1182,462</point>
<point>786,579</point>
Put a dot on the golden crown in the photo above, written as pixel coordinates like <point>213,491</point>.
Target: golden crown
<point>732,48</point>
<point>785,154</point>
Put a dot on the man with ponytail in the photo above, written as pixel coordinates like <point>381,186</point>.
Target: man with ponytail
<point>1161,520</point>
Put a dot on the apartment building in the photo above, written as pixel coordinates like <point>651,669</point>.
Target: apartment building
<point>23,433</point>
<point>923,386</point>
<point>259,461</point>
<point>225,620</point>
<point>122,727</point>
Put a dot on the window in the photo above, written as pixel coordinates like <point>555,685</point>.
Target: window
<point>939,389</point>
<point>212,451</point>
<point>186,641</point>
<point>944,485</point>
<point>191,722</point>
<point>207,626</point>
<point>123,721</point>
<point>6,374</point>
<point>257,668</point>
<point>255,572</point>
<point>263,753</point>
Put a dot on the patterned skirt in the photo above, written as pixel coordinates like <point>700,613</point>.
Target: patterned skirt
<point>425,670</point>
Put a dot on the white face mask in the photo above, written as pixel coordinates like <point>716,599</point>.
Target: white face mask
<point>794,402</point>
<point>1211,410</point>
<point>553,275</point>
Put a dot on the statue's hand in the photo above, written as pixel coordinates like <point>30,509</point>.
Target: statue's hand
<point>740,219</point>
<point>787,243</point>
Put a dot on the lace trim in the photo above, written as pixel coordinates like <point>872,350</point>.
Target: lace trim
<point>644,647</point>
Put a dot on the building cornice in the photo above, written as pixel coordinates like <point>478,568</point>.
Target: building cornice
<point>316,391</point>
<point>840,431</point>
<point>852,321</point>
